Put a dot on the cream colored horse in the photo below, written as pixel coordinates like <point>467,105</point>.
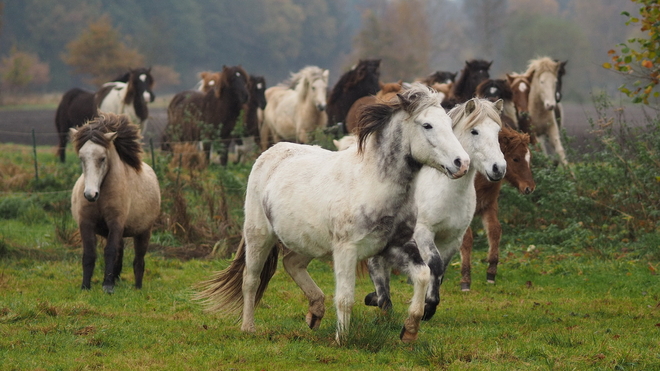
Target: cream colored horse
<point>293,111</point>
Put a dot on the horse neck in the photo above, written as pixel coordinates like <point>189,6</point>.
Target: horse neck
<point>116,168</point>
<point>251,120</point>
<point>140,106</point>
<point>308,108</point>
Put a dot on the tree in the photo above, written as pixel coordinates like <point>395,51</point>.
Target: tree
<point>99,53</point>
<point>20,70</point>
<point>640,56</point>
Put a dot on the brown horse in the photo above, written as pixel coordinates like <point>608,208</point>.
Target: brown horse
<point>515,147</point>
<point>208,80</point>
<point>193,115</point>
<point>117,195</point>
<point>520,84</point>
<point>387,91</point>
<point>474,72</point>
<point>360,81</point>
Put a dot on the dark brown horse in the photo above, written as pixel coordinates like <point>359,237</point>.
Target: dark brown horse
<point>494,90</point>
<point>386,92</point>
<point>559,108</point>
<point>438,77</point>
<point>515,147</point>
<point>256,102</point>
<point>196,116</point>
<point>362,80</point>
<point>474,72</point>
<point>128,93</point>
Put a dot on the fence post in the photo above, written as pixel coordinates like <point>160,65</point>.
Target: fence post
<point>34,150</point>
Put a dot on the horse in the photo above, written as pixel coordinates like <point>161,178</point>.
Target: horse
<point>559,109</point>
<point>196,116</point>
<point>297,194</point>
<point>207,80</point>
<point>474,72</point>
<point>252,119</point>
<point>78,106</point>
<point>387,91</point>
<point>445,207</point>
<point>116,196</point>
<point>295,108</point>
<point>345,142</point>
<point>515,147</point>
<point>519,84</point>
<point>542,103</point>
<point>361,80</point>
<point>496,89</point>
<point>438,77</point>
<point>128,94</point>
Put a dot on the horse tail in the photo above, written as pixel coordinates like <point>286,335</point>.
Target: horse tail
<point>224,291</point>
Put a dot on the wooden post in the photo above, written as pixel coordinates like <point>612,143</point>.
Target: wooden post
<point>34,150</point>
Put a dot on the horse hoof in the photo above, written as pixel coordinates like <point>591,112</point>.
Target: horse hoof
<point>406,336</point>
<point>465,286</point>
<point>108,289</point>
<point>313,321</point>
<point>371,300</point>
<point>429,312</point>
<point>85,288</point>
<point>490,277</point>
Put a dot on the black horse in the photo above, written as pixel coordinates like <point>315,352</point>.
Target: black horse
<point>78,106</point>
<point>474,72</point>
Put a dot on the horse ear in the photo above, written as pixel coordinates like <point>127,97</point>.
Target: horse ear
<point>326,73</point>
<point>499,105</point>
<point>470,106</point>
<point>73,131</point>
<point>490,63</point>
<point>110,136</point>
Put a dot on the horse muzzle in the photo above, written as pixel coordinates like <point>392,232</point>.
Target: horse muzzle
<point>462,167</point>
<point>320,107</point>
<point>526,188</point>
<point>91,196</point>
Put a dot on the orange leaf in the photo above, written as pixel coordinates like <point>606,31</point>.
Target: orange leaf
<point>647,64</point>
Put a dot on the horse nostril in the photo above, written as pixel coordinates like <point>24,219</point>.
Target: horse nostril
<point>496,169</point>
<point>457,162</point>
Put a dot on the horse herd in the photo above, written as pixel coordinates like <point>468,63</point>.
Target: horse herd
<point>419,162</point>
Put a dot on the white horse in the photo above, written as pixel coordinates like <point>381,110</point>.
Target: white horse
<point>348,205</point>
<point>129,97</point>
<point>542,103</point>
<point>446,207</point>
<point>295,109</point>
<point>116,196</point>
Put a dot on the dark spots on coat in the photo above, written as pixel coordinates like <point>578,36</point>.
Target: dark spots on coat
<point>411,250</point>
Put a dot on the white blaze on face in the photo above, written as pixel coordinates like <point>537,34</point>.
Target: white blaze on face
<point>143,77</point>
<point>93,158</point>
<point>493,90</point>
<point>522,87</point>
<point>212,82</point>
<point>528,158</point>
<point>260,86</point>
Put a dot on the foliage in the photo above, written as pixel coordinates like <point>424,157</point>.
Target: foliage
<point>20,69</point>
<point>100,53</point>
<point>640,56</point>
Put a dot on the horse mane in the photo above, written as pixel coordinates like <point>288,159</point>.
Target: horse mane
<point>482,108</point>
<point>542,64</point>
<point>494,90</point>
<point>510,139</point>
<point>127,142</point>
<point>376,116</point>
<point>312,73</point>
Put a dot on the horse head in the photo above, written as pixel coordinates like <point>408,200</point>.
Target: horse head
<point>367,69</point>
<point>476,71</point>
<point>313,84</point>
<point>142,83</point>
<point>234,81</point>
<point>477,124</point>
<point>257,90</point>
<point>520,84</point>
<point>515,147</point>
<point>544,82</point>
<point>561,71</point>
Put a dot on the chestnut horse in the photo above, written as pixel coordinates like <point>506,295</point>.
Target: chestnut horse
<point>515,147</point>
<point>116,196</point>
<point>520,88</point>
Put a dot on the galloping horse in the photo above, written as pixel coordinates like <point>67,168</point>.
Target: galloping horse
<point>515,147</point>
<point>78,106</point>
<point>116,196</point>
<point>296,108</point>
<point>474,72</point>
<point>542,103</point>
<point>193,115</point>
<point>360,81</point>
<point>445,207</point>
<point>350,205</point>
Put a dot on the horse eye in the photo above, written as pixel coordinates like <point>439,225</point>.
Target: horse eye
<point>427,126</point>
<point>474,132</point>
<point>516,159</point>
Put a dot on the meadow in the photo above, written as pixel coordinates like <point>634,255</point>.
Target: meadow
<point>577,286</point>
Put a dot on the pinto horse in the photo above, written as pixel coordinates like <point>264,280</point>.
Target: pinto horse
<point>298,194</point>
<point>515,147</point>
<point>128,93</point>
<point>295,108</point>
<point>116,196</point>
<point>445,207</point>
<point>542,104</point>
<point>193,115</point>
<point>474,72</point>
<point>360,81</point>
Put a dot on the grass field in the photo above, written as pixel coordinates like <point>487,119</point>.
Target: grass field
<point>577,287</point>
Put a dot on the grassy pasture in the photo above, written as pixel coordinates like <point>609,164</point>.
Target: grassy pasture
<point>577,286</point>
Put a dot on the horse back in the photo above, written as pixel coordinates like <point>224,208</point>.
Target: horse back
<point>75,108</point>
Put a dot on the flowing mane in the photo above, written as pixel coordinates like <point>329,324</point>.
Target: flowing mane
<point>543,64</point>
<point>481,111</point>
<point>127,141</point>
<point>310,72</point>
<point>375,117</point>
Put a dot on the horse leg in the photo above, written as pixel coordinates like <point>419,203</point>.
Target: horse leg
<point>140,242</point>
<point>345,263</point>
<point>296,265</point>
<point>555,141</point>
<point>258,247</point>
<point>466,260</point>
<point>379,272</point>
<point>420,275</point>
<point>110,254</point>
<point>494,231</point>
<point>119,263</point>
<point>61,150</point>
<point>426,247</point>
<point>264,136</point>
<point>89,254</point>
